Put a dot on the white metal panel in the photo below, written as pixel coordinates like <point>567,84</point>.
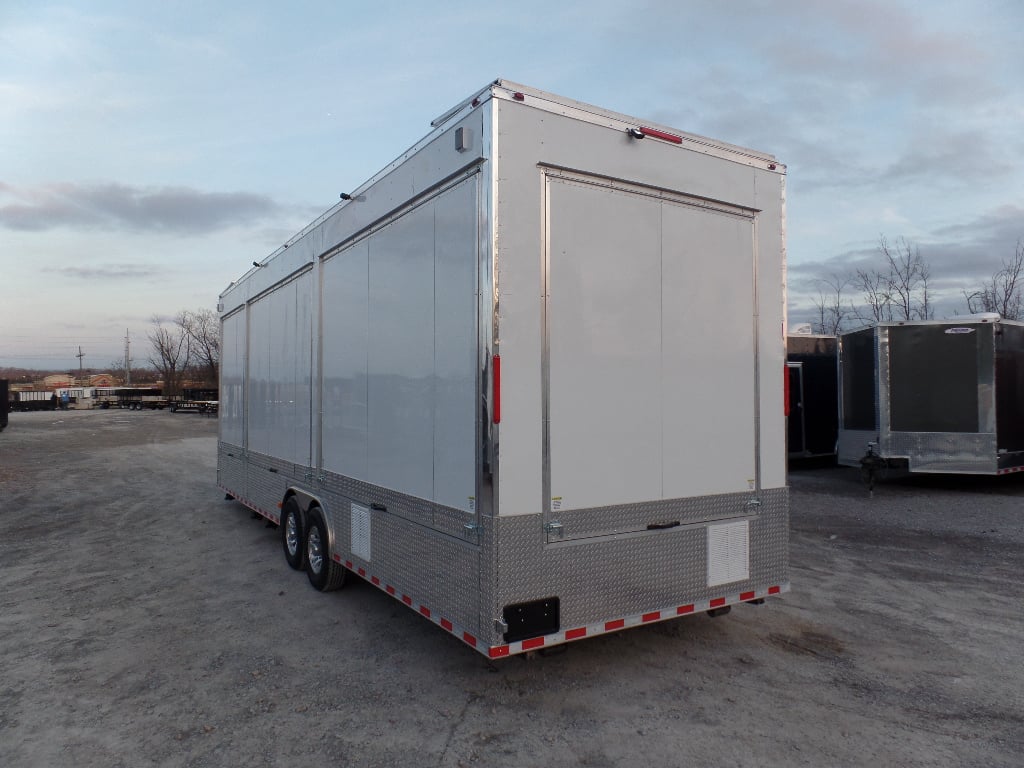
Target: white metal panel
<point>232,379</point>
<point>708,341</point>
<point>257,425</point>
<point>299,357</point>
<point>401,355</point>
<point>280,360</point>
<point>277,405</point>
<point>345,348</point>
<point>456,214</point>
<point>604,326</point>
<point>771,250</point>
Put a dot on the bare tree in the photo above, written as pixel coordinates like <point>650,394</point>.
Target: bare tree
<point>898,291</point>
<point>907,279</point>
<point>202,328</point>
<point>874,287</point>
<point>116,368</point>
<point>1002,292</point>
<point>831,314</point>
<point>170,355</point>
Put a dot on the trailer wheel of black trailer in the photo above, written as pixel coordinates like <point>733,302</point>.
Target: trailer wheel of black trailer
<point>324,574</point>
<point>293,536</point>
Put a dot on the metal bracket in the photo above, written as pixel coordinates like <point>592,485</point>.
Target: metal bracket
<point>554,528</point>
<point>500,626</point>
<point>754,503</point>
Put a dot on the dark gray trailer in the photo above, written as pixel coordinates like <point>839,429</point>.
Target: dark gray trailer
<point>812,380</point>
<point>934,396</point>
<point>4,403</point>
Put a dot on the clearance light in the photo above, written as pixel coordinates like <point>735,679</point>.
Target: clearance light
<point>518,96</point>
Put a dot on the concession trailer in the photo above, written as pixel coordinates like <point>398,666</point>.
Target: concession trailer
<point>938,396</point>
<point>484,381</point>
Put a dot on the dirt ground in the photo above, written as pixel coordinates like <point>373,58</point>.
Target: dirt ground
<point>146,621</point>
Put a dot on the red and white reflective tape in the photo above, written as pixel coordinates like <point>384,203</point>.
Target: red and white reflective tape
<point>567,636</point>
<point>1009,470</point>
<point>252,505</point>
<point>544,641</point>
<point>636,620</point>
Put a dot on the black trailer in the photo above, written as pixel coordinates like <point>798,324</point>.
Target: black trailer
<point>32,400</point>
<point>196,399</point>
<point>813,395</point>
<point>4,403</point>
<point>934,396</point>
<point>141,398</point>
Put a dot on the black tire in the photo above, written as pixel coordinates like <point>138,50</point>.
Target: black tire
<point>293,534</point>
<point>324,574</point>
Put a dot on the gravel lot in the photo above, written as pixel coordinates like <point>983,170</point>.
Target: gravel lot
<point>146,621</point>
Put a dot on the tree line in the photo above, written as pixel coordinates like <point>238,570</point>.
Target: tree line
<point>185,348</point>
<point>901,290</point>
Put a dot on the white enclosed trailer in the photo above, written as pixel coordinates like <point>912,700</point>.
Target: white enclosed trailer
<point>528,379</point>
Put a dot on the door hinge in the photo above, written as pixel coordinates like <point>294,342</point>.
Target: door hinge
<point>554,528</point>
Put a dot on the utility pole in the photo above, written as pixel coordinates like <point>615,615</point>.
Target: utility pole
<point>80,355</point>
<point>127,359</point>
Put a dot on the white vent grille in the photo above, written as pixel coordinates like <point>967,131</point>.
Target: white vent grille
<point>361,531</point>
<point>728,552</point>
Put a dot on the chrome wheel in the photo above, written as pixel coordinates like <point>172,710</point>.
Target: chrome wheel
<point>291,535</point>
<point>315,551</point>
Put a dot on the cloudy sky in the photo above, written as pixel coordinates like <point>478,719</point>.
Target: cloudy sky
<point>149,151</point>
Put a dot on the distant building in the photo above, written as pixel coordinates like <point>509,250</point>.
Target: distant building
<point>58,380</point>
<point>103,380</point>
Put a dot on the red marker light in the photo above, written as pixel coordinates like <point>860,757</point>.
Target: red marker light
<point>656,134</point>
<point>496,383</point>
<point>518,96</point>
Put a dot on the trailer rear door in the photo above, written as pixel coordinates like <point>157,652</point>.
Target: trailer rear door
<point>650,359</point>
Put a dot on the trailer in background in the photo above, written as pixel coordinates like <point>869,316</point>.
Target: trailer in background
<point>24,400</point>
<point>141,398</point>
<point>483,381</point>
<point>940,396</point>
<point>196,400</point>
<point>4,404</point>
<point>812,365</point>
